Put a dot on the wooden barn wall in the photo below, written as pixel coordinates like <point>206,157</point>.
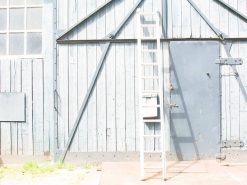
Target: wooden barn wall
<point>110,121</point>
<point>34,77</point>
<point>33,136</point>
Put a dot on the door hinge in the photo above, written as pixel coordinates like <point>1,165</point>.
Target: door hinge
<point>232,144</point>
<point>229,61</point>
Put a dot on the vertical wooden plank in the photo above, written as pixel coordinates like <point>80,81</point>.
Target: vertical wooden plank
<point>82,89</point>
<point>50,64</point>
<point>92,111</point>
<point>120,98</point>
<point>27,127</point>
<point>111,84</point>
<point>63,94</point>
<point>62,74</point>
<point>130,27</point>
<point>205,4</point>
<point>73,66</point>
<point>243,103</point>
<point>233,20</point>
<point>224,20</point>
<point>234,97</point>
<point>201,4</point>
<point>48,136</point>
<point>1,150</point>
<point>82,77</point>
<point>62,14</point>
<point>186,24</point>
<point>130,83</point>
<point>110,18</point>
<point>120,84</point>
<point>120,9</point>
<point>92,57</point>
<point>38,99</point>
<point>170,18</point>
<point>73,110</point>
<point>101,106</point>
<point>214,16</point>
<point>195,23</point>
<point>177,18</point>
<point>111,99</point>
<point>130,97</point>
<point>6,144</point>
<point>101,87</point>
<point>242,7</point>
<point>16,87</point>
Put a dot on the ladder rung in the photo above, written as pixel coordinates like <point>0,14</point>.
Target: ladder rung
<point>149,94</point>
<point>148,25</point>
<point>153,151</point>
<point>150,106</point>
<point>153,167</point>
<point>148,13</point>
<point>149,50</point>
<point>152,136</point>
<point>150,64</point>
<point>150,91</point>
<point>151,120</point>
<point>148,38</point>
<point>150,77</point>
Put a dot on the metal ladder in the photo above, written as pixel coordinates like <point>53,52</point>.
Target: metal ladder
<point>157,92</point>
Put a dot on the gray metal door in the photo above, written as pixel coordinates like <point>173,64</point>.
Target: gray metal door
<point>195,120</point>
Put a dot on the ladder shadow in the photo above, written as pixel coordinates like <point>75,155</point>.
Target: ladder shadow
<point>175,139</point>
<point>177,168</point>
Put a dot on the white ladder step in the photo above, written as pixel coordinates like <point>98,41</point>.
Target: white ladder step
<point>150,77</point>
<point>148,25</point>
<point>153,167</point>
<point>152,136</point>
<point>146,106</point>
<point>150,64</point>
<point>152,151</point>
<point>148,38</point>
<point>151,120</point>
<point>150,91</point>
<point>148,13</point>
<point>149,50</point>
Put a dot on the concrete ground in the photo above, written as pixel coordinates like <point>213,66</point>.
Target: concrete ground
<point>179,173</point>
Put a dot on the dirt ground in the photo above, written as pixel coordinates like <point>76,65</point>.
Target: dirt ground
<point>48,175</point>
<point>204,172</point>
<point>179,173</point>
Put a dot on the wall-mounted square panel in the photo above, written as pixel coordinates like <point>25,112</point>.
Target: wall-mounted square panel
<point>12,107</point>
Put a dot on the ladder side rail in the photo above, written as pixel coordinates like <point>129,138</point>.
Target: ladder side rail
<point>139,48</point>
<point>160,73</point>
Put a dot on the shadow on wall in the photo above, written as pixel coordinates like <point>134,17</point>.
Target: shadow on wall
<point>187,136</point>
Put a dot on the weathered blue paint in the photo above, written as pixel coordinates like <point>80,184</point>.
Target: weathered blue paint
<point>195,123</point>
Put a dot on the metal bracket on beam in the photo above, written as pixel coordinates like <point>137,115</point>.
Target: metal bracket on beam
<point>232,143</point>
<point>94,80</point>
<point>220,34</point>
<point>232,9</point>
<point>229,61</point>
